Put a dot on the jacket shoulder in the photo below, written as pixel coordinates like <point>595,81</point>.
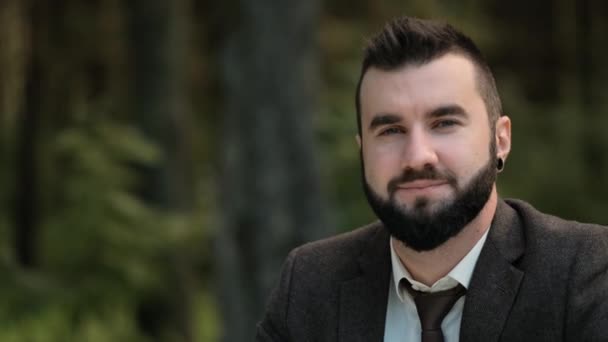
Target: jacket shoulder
<point>338,254</point>
<point>550,226</point>
<point>304,304</point>
<point>563,250</point>
<point>572,258</point>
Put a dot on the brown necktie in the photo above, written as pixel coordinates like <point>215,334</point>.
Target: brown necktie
<point>432,308</point>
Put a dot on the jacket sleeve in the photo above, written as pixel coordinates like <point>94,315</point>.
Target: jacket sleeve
<point>587,308</point>
<point>273,327</point>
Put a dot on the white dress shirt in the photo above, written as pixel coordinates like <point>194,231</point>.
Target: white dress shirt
<point>402,322</point>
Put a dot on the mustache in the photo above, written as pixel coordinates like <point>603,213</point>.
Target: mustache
<point>427,173</point>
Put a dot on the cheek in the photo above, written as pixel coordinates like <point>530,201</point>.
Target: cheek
<point>464,157</point>
<point>381,165</point>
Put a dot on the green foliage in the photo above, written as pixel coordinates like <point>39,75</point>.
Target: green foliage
<point>209,323</point>
<point>47,316</point>
<point>99,218</point>
<point>102,248</point>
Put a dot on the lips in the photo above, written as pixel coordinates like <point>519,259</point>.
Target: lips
<point>421,184</point>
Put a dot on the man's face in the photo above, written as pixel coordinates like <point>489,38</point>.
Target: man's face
<point>427,149</point>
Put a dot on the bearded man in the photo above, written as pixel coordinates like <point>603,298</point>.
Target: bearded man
<point>449,260</point>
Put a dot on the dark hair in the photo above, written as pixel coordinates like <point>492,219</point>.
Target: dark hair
<point>415,41</point>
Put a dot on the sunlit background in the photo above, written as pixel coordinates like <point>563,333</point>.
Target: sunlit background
<point>160,158</point>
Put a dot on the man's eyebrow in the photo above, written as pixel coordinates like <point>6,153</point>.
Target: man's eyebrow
<point>383,119</point>
<point>446,110</point>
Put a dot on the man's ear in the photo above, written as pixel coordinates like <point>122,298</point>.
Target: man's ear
<point>358,138</point>
<point>503,137</point>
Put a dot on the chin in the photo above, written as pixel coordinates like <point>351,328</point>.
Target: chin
<point>425,204</point>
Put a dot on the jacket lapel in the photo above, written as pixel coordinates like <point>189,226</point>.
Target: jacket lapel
<point>495,282</point>
<point>363,299</point>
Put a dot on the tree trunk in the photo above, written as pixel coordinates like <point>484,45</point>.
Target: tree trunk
<point>27,196</point>
<point>269,183</point>
<point>158,38</point>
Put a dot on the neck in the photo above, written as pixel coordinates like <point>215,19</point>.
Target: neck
<point>429,266</point>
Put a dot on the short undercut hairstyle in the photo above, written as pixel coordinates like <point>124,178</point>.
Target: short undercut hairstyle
<point>411,41</point>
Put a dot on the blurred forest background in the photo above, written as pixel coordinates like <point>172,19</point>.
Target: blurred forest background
<point>158,159</point>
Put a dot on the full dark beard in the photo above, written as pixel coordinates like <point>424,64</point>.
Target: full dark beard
<point>424,230</point>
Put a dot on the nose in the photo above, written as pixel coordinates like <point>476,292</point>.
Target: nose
<point>419,151</point>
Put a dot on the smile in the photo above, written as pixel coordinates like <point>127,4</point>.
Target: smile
<point>422,184</point>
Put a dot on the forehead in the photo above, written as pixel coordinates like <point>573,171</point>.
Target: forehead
<point>416,89</point>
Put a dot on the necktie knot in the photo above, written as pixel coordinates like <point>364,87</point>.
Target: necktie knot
<point>432,308</point>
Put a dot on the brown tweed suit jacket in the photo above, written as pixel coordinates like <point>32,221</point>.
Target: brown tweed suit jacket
<point>538,278</point>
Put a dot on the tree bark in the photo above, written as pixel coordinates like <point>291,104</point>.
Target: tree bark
<point>269,184</point>
<point>158,36</point>
<point>27,195</point>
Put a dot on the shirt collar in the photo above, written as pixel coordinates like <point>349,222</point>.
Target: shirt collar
<point>461,273</point>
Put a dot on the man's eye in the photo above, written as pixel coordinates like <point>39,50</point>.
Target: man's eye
<point>391,130</point>
<point>445,124</point>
